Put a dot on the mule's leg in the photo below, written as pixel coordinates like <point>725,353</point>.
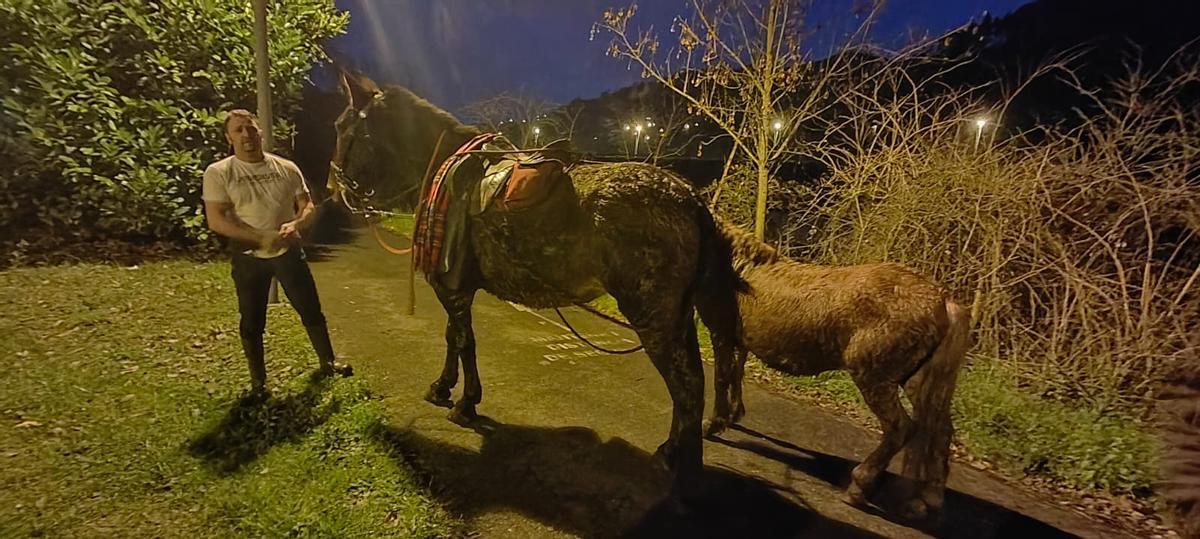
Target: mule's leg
<point>723,367</point>
<point>884,400</point>
<point>464,410</point>
<point>668,333</point>
<point>459,335</point>
<point>735,385</point>
<point>927,455</point>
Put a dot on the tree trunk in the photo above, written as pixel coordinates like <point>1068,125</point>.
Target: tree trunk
<point>764,123</point>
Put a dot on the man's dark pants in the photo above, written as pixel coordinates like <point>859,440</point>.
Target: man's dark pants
<point>252,278</point>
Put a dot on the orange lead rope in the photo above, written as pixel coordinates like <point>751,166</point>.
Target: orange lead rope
<point>424,185</point>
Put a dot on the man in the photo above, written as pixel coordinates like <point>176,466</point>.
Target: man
<point>259,201</point>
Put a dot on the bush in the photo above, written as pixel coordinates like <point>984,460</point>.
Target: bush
<point>1076,249</point>
<point>111,109</point>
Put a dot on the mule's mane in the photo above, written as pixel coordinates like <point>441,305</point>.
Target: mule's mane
<point>420,104</point>
<point>746,250</point>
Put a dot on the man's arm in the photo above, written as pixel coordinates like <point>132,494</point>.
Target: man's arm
<point>303,220</point>
<point>223,221</point>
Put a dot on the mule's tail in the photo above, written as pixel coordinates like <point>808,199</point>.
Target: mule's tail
<point>717,284</point>
<point>931,390</point>
<point>1180,427</point>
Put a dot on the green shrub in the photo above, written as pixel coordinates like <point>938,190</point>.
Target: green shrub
<point>110,110</point>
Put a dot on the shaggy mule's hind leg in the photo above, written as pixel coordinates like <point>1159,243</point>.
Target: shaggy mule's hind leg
<point>884,400</point>
<point>927,455</point>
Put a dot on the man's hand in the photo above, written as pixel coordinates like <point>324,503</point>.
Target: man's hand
<point>290,231</point>
<point>272,241</point>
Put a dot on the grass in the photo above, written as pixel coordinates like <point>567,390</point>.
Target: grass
<point>401,223</point>
<point>120,417</point>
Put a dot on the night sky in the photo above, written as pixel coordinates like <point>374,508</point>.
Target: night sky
<point>456,51</point>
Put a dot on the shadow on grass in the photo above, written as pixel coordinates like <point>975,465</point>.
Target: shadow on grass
<point>570,479</point>
<point>249,430</point>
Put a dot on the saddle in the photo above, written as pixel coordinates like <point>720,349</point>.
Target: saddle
<point>486,173</point>
<point>516,180</point>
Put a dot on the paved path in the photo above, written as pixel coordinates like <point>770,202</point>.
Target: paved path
<point>565,449</point>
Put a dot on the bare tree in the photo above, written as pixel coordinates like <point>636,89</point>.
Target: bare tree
<point>744,66</point>
<point>521,118</point>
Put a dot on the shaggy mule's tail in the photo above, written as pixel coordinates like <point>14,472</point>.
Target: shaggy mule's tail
<point>1180,427</point>
<point>931,389</point>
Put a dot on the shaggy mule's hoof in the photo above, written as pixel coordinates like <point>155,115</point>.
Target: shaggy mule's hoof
<point>439,397</point>
<point>915,510</point>
<point>855,497</point>
<point>922,514</point>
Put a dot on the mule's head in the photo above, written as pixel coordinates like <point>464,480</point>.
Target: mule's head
<point>386,137</point>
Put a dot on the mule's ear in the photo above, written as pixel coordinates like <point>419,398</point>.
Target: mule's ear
<point>359,88</point>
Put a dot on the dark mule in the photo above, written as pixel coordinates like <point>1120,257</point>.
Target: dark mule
<point>634,230</point>
<point>887,326</point>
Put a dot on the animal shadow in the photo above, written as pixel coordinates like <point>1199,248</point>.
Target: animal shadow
<point>570,479</point>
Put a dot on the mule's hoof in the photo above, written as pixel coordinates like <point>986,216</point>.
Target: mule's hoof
<point>915,510</point>
<point>462,415</point>
<point>714,426</point>
<point>922,513</point>
<point>439,398</point>
<point>664,458</point>
<point>855,497</point>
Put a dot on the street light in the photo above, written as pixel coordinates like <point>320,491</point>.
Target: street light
<point>979,125</point>
<point>637,137</point>
<point>536,131</point>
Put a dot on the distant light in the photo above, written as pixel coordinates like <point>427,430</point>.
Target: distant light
<point>638,128</point>
<point>627,127</point>
<point>777,125</point>
<point>537,130</point>
<point>685,126</point>
<point>980,123</point>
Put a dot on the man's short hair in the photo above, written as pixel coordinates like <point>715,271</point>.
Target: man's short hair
<point>239,113</point>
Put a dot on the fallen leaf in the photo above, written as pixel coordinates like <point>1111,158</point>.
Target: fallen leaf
<point>28,424</point>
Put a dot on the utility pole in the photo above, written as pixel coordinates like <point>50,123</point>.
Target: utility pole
<point>262,65</point>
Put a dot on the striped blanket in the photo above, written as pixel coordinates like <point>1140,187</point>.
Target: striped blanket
<point>434,213</point>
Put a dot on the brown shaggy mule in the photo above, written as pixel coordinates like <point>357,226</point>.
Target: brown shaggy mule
<point>889,327</point>
<point>1180,409</point>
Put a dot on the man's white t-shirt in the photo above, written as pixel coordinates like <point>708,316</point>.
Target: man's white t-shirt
<point>263,194</point>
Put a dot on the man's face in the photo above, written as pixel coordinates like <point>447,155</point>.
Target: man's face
<point>243,134</point>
